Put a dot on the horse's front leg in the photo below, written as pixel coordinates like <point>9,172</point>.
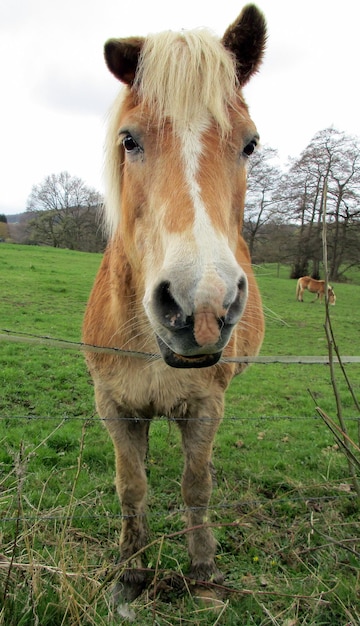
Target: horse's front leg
<point>198,432</point>
<point>130,439</point>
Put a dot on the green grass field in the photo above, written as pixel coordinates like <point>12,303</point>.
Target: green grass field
<point>285,512</point>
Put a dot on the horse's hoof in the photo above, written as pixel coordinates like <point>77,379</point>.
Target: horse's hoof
<point>207,589</point>
<point>129,586</point>
<point>210,599</point>
<point>126,612</point>
<point>168,587</point>
<point>206,573</point>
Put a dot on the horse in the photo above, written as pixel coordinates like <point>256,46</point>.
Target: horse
<point>176,275</point>
<point>314,286</point>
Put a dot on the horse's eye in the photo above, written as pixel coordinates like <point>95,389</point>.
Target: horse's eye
<point>250,147</point>
<point>130,144</point>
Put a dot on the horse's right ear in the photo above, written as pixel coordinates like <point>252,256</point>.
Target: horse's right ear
<point>122,57</point>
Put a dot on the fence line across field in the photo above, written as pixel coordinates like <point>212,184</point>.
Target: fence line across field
<point>160,418</point>
<point>8,335</point>
<point>44,340</point>
<point>251,504</point>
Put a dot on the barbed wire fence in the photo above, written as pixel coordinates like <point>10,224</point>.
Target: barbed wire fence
<point>335,492</point>
<point>46,340</point>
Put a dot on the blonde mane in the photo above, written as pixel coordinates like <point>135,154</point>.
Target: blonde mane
<point>187,77</point>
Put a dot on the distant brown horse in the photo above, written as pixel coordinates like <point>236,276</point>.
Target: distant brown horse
<point>176,275</point>
<point>314,286</point>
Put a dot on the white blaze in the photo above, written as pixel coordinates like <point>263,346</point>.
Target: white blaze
<point>214,258</point>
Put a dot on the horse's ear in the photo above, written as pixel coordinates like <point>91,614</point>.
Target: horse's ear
<point>122,57</point>
<point>246,39</point>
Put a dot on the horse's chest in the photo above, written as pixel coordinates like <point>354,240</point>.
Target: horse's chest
<point>157,389</point>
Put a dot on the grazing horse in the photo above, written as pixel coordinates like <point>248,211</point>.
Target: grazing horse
<point>176,276</point>
<point>314,286</point>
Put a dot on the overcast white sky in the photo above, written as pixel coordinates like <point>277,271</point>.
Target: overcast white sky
<point>56,89</point>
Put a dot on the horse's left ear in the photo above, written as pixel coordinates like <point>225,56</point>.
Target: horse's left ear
<point>246,39</point>
<point>122,57</point>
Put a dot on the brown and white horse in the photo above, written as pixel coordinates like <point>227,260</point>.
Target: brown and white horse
<point>176,275</point>
<point>314,286</point>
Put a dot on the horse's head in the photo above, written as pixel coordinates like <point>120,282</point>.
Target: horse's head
<point>331,295</point>
<point>179,138</point>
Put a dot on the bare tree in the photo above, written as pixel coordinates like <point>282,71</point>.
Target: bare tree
<point>261,196</point>
<point>334,157</point>
<point>63,213</point>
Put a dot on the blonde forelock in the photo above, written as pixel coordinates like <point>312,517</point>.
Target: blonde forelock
<point>187,76</point>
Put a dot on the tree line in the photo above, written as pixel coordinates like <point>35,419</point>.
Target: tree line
<point>283,216</point>
<point>283,211</point>
<point>63,212</point>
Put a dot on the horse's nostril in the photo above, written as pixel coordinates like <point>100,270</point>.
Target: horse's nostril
<point>163,295</point>
<point>242,285</point>
<point>166,307</point>
<point>236,308</point>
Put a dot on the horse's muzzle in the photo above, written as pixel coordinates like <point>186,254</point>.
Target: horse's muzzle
<point>179,347</point>
<point>195,340</point>
<point>181,361</point>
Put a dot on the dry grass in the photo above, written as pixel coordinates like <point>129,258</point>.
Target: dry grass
<point>62,575</point>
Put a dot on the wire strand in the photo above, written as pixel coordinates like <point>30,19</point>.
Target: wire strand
<point>230,418</point>
<point>45,340</point>
<point>255,503</point>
